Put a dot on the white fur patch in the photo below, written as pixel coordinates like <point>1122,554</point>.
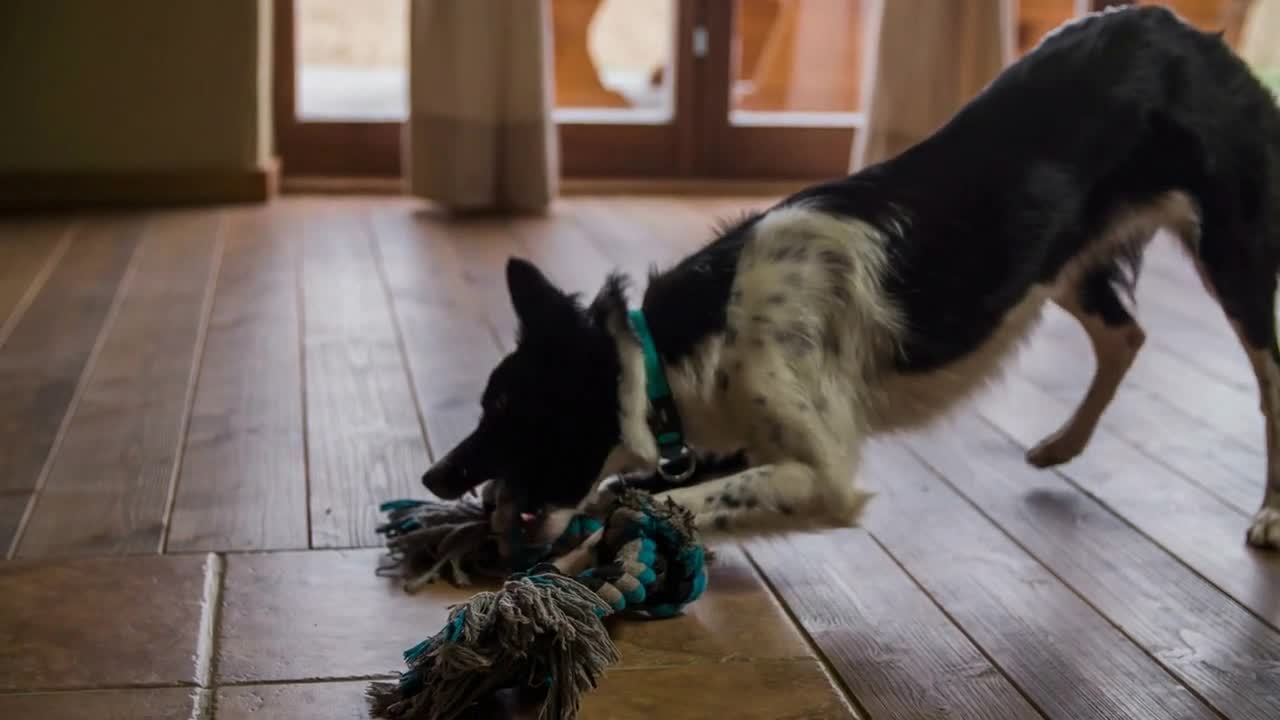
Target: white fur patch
<point>633,400</point>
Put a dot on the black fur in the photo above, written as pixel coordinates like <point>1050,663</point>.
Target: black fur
<point>1108,113</point>
<point>550,409</point>
<point>686,304</point>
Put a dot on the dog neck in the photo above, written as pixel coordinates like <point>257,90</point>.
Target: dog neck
<point>690,381</point>
<point>633,401</point>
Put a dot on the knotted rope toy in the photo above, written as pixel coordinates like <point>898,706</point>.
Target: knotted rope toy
<point>545,628</point>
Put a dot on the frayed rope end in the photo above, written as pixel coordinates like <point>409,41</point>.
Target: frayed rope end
<point>431,540</point>
<point>542,630</point>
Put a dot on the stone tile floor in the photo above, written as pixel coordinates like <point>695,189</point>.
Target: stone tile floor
<point>299,634</point>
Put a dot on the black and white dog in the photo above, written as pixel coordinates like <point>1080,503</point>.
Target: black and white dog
<point>878,302</point>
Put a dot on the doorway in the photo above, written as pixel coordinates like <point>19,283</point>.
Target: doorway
<point>742,89</point>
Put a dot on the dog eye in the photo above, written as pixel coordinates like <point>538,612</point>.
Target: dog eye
<point>498,405</point>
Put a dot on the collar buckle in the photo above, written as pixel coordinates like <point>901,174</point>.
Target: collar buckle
<point>677,463</point>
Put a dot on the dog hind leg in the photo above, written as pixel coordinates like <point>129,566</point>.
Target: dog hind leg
<point>1116,338</point>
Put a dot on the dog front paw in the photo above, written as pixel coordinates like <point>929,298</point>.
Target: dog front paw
<point>1265,530</point>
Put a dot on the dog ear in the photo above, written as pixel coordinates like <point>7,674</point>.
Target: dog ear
<point>536,301</point>
<point>610,305</point>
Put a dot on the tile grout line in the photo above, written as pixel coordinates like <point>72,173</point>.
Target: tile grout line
<point>122,687</point>
<point>201,704</point>
<point>82,386</point>
<point>837,681</point>
<point>207,637</point>
<point>193,380</point>
<point>321,680</point>
<point>38,282</point>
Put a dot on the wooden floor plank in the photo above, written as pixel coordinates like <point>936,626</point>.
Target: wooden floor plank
<point>667,228</point>
<point>29,250</point>
<point>1206,533</point>
<point>562,247</point>
<point>448,338</point>
<point>1180,316</point>
<point>13,506</point>
<point>1203,637</point>
<point>122,445</point>
<point>562,251</point>
<point>482,246</point>
<point>243,484</point>
<point>1064,657</point>
<point>632,249</point>
<point>45,353</point>
<point>1170,427</point>
<point>365,440</point>
<point>894,650</point>
<point>1169,269</point>
<point>1232,406</point>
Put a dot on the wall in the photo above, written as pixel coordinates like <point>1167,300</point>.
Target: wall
<point>134,87</point>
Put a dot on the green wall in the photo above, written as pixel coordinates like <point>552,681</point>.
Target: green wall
<point>134,85</point>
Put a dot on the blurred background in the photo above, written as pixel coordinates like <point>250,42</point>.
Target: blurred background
<point>146,100</point>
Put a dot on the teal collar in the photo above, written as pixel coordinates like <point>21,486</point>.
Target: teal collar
<point>675,461</point>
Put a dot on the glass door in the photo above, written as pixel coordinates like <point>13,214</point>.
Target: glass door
<point>623,87</point>
<point>784,86</point>
<point>741,89</point>
<point>622,98</point>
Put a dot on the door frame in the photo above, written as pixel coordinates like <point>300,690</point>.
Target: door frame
<point>588,150</point>
<point>759,152</point>
<point>699,142</point>
<point>329,148</point>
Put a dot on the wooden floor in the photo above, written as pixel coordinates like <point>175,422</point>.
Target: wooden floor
<point>201,409</point>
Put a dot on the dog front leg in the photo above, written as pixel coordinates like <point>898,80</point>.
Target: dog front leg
<point>710,466</point>
<point>785,494</point>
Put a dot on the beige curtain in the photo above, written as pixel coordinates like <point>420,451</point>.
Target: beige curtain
<point>930,58</point>
<point>480,134</point>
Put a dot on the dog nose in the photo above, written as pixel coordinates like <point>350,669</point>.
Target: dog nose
<point>447,481</point>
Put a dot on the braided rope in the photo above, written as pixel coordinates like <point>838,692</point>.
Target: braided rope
<point>544,629</point>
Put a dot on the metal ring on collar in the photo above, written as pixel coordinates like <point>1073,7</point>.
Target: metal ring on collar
<point>685,457</point>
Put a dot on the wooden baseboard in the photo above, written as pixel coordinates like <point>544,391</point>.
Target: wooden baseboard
<point>712,187</point>
<point>322,185</point>
<point>568,186</point>
<point>75,189</point>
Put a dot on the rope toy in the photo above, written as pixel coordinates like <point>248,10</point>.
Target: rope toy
<point>545,628</point>
<point>430,540</point>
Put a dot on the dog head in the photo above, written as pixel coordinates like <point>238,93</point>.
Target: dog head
<point>550,410</point>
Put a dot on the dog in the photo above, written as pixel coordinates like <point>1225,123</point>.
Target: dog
<point>878,302</point>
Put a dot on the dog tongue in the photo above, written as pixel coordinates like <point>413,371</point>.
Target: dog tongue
<point>528,517</point>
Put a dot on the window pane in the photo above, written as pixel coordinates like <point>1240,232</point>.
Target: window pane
<point>613,60</point>
<point>798,62</point>
<point>352,59</point>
